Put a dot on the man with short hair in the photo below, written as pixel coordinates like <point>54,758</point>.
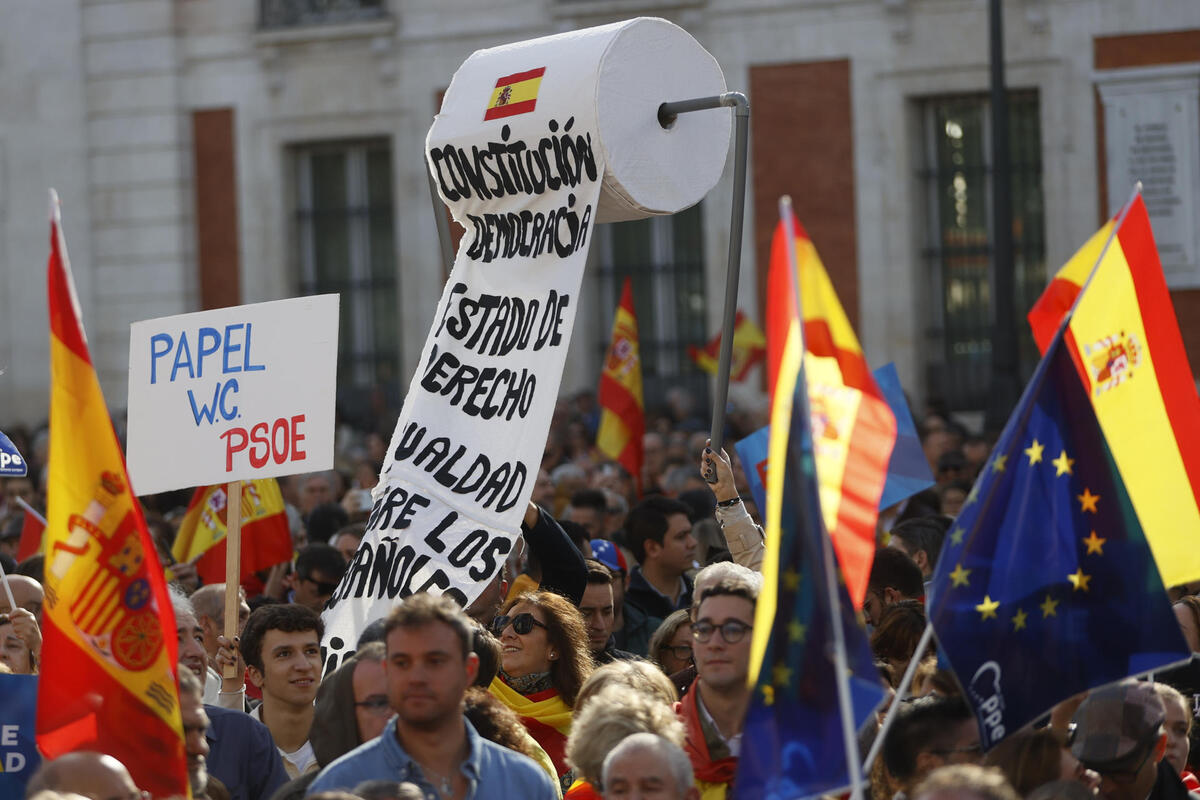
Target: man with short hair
<point>587,508</point>
<point>1119,734</point>
<point>316,489</point>
<point>928,733</point>
<point>597,609</point>
<point>921,539</point>
<point>347,539</point>
<point>83,772</point>
<point>894,577</point>
<point>966,782</point>
<point>241,752</point>
<point>647,765</point>
<point>659,532</point>
<point>429,742</point>
<point>282,648</point>
<point>713,710</point>
<point>1178,727</point>
<point>319,567</point>
<point>209,604</point>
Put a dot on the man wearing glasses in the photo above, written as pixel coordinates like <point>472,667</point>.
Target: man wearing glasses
<point>319,567</point>
<point>1118,732</point>
<point>929,732</point>
<point>713,709</point>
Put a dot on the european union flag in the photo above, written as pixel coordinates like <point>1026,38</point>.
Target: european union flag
<point>792,745</point>
<point>1045,586</point>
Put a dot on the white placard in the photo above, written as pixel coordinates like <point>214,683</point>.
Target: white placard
<point>1152,135</point>
<point>232,394</point>
<point>520,156</point>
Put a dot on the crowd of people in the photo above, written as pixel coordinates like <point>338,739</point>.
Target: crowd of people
<point>608,659</point>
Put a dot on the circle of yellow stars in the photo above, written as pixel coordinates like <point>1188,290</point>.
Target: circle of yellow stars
<point>1079,580</point>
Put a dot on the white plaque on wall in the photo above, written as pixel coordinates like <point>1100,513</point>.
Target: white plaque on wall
<point>1152,134</point>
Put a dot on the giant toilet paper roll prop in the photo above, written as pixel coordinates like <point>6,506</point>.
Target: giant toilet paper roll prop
<point>536,143</point>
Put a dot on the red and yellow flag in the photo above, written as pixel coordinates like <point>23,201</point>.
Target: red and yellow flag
<point>109,645</point>
<point>33,525</point>
<point>1126,344</point>
<point>622,410</point>
<point>749,348</point>
<point>515,94</point>
<point>266,538</point>
<point>853,429</point>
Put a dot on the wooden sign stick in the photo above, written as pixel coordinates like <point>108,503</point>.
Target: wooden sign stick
<point>233,564</point>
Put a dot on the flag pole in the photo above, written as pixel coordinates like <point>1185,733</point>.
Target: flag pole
<point>233,565</point>
<point>840,660</point>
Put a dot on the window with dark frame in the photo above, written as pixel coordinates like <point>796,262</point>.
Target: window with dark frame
<point>664,256</point>
<point>275,14</point>
<point>346,245</point>
<point>955,180</point>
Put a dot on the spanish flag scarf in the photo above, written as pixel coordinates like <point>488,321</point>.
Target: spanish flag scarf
<point>545,715</point>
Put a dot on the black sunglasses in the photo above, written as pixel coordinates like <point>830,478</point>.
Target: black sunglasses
<point>323,588</point>
<point>521,624</point>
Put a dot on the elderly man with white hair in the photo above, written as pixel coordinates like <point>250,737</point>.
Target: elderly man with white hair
<point>647,765</point>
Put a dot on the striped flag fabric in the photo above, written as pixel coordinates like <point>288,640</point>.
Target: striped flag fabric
<point>749,348</point>
<point>622,409</point>
<point>515,94</point>
<point>109,650</point>
<point>853,428</point>
<point>1126,345</point>
<point>266,538</point>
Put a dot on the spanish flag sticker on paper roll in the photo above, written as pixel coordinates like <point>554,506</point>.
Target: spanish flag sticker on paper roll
<point>612,78</point>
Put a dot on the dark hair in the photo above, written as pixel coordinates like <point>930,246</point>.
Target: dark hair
<point>423,609</point>
<point>33,567</point>
<point>598,573</point>
<point>894,569</point>
<point>487,647</point>
<point>923,533</point>
<point>899,630</point>
<point>924,724</point>
<point>325,520</point>
<point>590,498</point>
<point>495,721</point>
<point>380,789</point>
<point>322,556</point>
<point>286,617</point>
<point>578,534</point>
<point>356,529</point>
<point>567,633</point>
<point>648,521</point>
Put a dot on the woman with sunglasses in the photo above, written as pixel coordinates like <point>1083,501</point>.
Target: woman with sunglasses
<point>544,660</point>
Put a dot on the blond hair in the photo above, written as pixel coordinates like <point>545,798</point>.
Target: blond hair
<point>629,674</point>
<point>617,713</point>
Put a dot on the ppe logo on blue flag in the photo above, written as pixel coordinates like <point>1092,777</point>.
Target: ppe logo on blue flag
<point>11,463</point>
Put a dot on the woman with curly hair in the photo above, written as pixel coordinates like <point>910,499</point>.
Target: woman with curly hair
<point>544,660</point>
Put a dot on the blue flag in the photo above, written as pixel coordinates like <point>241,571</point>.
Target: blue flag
<point>1045,586</point>
<point>19,757</point>
<point>11,463</point>
<point>792,745</point>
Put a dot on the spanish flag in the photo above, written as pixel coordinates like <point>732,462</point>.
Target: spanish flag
<point>622,411</point>
<point>515,94</point>
<point>266,538</point>
<point>109,645</point>
<point>749,348</point>
<point>1125,342</point>
<point>852,426</point>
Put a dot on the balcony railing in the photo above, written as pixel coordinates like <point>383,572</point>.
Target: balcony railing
<point>277,14</point>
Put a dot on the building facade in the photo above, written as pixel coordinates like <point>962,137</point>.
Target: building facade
<point>214,152</point>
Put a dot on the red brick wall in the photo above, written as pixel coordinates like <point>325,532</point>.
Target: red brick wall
<point>1145,50</point>
<point>802,144</point>
<point>217,260</point>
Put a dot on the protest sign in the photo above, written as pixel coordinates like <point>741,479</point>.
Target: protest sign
<point>232,394</point>
<point>12,465</point>
<point>19,757</point>
<point>521,156</point>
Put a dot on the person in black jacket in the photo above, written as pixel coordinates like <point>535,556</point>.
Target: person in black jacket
<point>659,532</point>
